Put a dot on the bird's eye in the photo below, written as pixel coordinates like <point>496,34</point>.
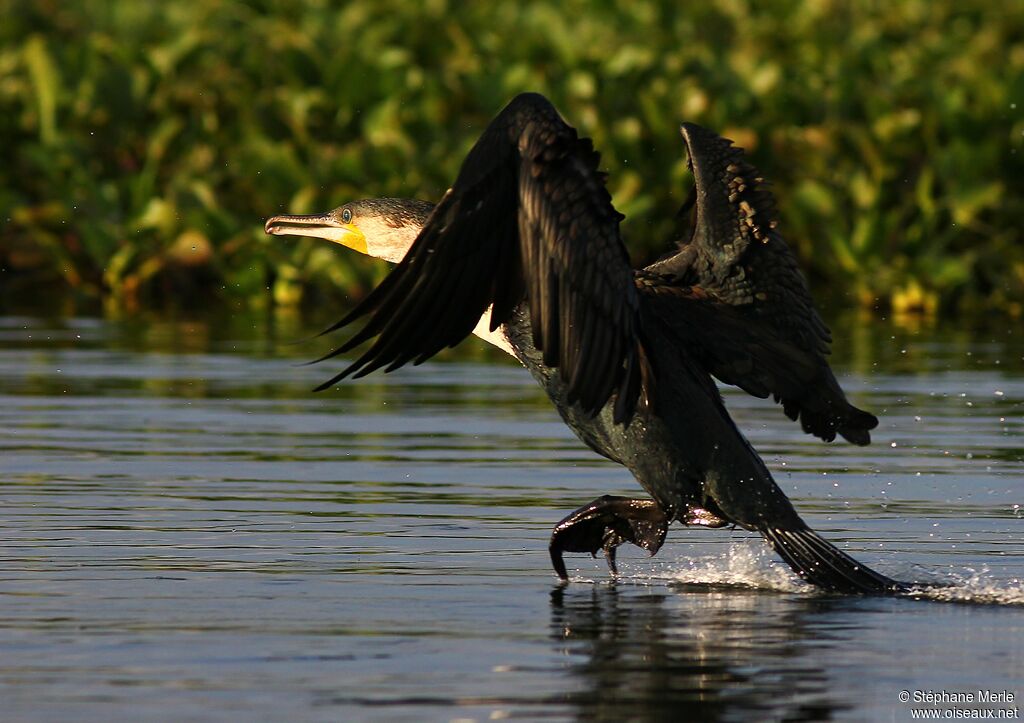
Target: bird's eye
<point>346,215</point>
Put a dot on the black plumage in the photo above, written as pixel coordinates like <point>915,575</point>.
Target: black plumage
<point>528,213</point>
<point>748,308</point>
<point>528,229</point>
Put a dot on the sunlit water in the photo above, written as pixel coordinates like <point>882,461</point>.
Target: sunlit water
<point>190,533</point>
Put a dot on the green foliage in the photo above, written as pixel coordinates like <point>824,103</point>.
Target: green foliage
<point>144,143</point>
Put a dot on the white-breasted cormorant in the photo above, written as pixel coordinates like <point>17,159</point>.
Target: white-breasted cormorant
<point>524,250</point>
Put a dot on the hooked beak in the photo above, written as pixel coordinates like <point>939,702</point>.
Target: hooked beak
<point>323,225</point>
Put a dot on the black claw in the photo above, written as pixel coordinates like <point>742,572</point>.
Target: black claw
<point>609,555</point>
<point>557,562</point>
<point>606,523</point>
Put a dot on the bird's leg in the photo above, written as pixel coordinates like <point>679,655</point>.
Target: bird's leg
<point>606,523</point>
<point>703,518</point>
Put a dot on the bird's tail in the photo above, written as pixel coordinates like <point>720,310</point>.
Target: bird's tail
<point>826,566</point>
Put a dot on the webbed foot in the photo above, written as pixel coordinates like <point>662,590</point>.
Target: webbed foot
<point>606,523</point>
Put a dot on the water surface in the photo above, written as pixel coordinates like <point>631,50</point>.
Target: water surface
<point>190,533</point>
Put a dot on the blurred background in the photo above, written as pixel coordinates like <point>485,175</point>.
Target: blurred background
<point>143,144</point>
<point>186,527</point>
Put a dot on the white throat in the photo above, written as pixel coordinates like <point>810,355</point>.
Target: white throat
<point>391,244</point>
<point>387,242</point>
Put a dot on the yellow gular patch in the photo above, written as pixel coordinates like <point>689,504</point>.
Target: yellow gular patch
<point>352,237</point>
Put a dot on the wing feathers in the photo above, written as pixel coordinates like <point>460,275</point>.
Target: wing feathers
<point>734,255</point>
<point>528,213</point>
<point>755,358</point>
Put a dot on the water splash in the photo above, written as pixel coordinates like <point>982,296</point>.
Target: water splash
<point>746,565</point>
<point>752,565</point>
<point>974,586</point>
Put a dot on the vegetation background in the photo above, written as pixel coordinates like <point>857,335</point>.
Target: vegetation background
<point>144,143</point>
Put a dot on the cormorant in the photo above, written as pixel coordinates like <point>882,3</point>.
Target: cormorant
<point>524,250</point>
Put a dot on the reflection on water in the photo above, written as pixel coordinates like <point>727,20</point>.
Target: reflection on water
<point>189,532</point>
<point>703,653</point>
<point>750,655</point>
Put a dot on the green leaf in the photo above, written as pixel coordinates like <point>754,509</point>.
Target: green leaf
<point>46,83</point>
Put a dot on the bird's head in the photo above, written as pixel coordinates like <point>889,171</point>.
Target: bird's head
<point>380,227</point>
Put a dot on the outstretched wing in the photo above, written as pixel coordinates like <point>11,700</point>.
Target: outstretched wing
<point>753,357</point>
<point>740,296</point>
<point>528,214</point>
